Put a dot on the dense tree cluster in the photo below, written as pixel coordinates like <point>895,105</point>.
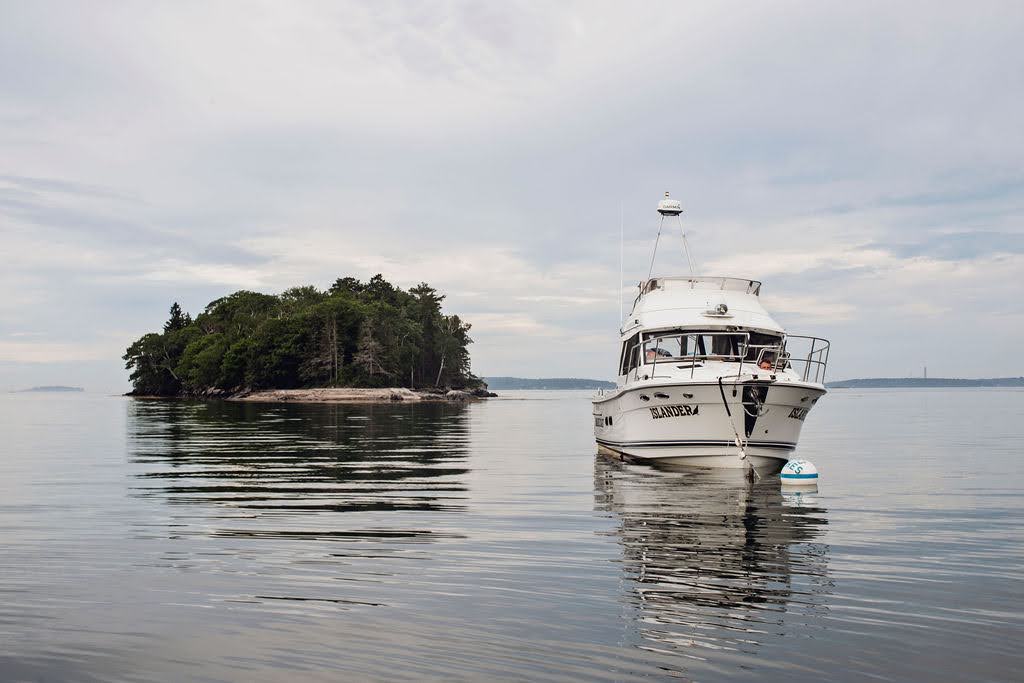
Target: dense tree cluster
<point>370,334</point>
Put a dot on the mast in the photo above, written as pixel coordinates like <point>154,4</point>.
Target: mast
<point>671,208</point>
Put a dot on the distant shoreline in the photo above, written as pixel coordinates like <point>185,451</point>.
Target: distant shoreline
<point>923,383</point>
<point>55,389</point>
<point>546,383</point>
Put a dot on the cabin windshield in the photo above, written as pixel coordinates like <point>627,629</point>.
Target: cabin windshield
<point>679,346</point>
<point>694,346</point>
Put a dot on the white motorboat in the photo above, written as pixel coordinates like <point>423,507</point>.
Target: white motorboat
<point>706,376</point>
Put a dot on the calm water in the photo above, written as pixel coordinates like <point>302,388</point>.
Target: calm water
<point>171,541</point>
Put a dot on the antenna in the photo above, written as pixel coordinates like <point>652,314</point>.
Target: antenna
<point>686,248</point>
<point>622,232</point>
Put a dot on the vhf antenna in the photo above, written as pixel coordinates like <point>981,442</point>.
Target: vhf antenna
<point>622,236</point>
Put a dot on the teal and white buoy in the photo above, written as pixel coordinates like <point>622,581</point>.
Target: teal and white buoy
<point>799,473</point>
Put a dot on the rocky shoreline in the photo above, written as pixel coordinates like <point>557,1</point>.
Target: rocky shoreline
<point>352,395</point>
<point>338,395</point>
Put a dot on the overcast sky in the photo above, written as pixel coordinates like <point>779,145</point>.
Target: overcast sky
<point>864,160</point>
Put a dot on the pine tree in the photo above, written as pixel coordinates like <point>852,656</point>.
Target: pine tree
<point>368,354</point>
<point>177,321</point>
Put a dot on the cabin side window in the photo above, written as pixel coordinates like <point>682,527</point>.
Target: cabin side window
<point>630,354</point>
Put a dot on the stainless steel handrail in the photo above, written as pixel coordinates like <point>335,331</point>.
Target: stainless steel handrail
<point>748,286</point>
<point>816,358</point>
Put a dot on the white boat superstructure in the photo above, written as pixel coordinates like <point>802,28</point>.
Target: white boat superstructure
<point>708,378</point>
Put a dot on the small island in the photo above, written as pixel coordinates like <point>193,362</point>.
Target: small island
<point>354,341</point>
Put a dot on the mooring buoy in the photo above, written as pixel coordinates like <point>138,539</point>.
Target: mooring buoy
<point>799,473</point>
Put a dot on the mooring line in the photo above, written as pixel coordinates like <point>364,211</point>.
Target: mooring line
<point>739,441</point>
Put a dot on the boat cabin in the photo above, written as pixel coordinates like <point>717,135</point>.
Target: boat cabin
<point>693,322</point>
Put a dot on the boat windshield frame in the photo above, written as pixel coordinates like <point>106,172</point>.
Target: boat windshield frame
<point>811,367</point>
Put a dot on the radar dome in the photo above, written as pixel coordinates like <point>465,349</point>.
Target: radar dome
<point>669,207</point>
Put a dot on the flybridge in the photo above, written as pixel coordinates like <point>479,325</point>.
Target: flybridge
<point>698,302</point>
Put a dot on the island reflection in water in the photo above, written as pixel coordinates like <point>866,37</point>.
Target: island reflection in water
<point>713,562</point>
<point>292,470</point>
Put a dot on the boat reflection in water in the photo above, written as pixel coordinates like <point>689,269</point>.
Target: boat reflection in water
<point>713,562</point>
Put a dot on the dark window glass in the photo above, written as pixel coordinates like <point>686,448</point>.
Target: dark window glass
<point>629,354</point>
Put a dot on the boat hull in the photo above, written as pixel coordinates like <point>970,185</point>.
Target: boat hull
<point>698,424</point>
<point>768,461</point>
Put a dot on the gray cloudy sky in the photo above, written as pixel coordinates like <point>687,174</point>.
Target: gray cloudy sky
<point>863,159</point>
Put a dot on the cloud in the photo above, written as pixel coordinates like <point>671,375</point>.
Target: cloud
<point>810,309</point>
<point>46,352</point>
<point>862,160</point>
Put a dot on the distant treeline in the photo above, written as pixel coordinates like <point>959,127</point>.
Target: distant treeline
<point>911,382</point>
<point>359,334</point>
<point>511,383</point>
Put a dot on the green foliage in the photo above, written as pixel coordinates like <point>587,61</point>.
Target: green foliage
<point>177,321</point>
<point>354,334</point>
<point>200,363</point>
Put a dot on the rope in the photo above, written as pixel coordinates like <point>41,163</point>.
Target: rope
<point>758,405</point>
